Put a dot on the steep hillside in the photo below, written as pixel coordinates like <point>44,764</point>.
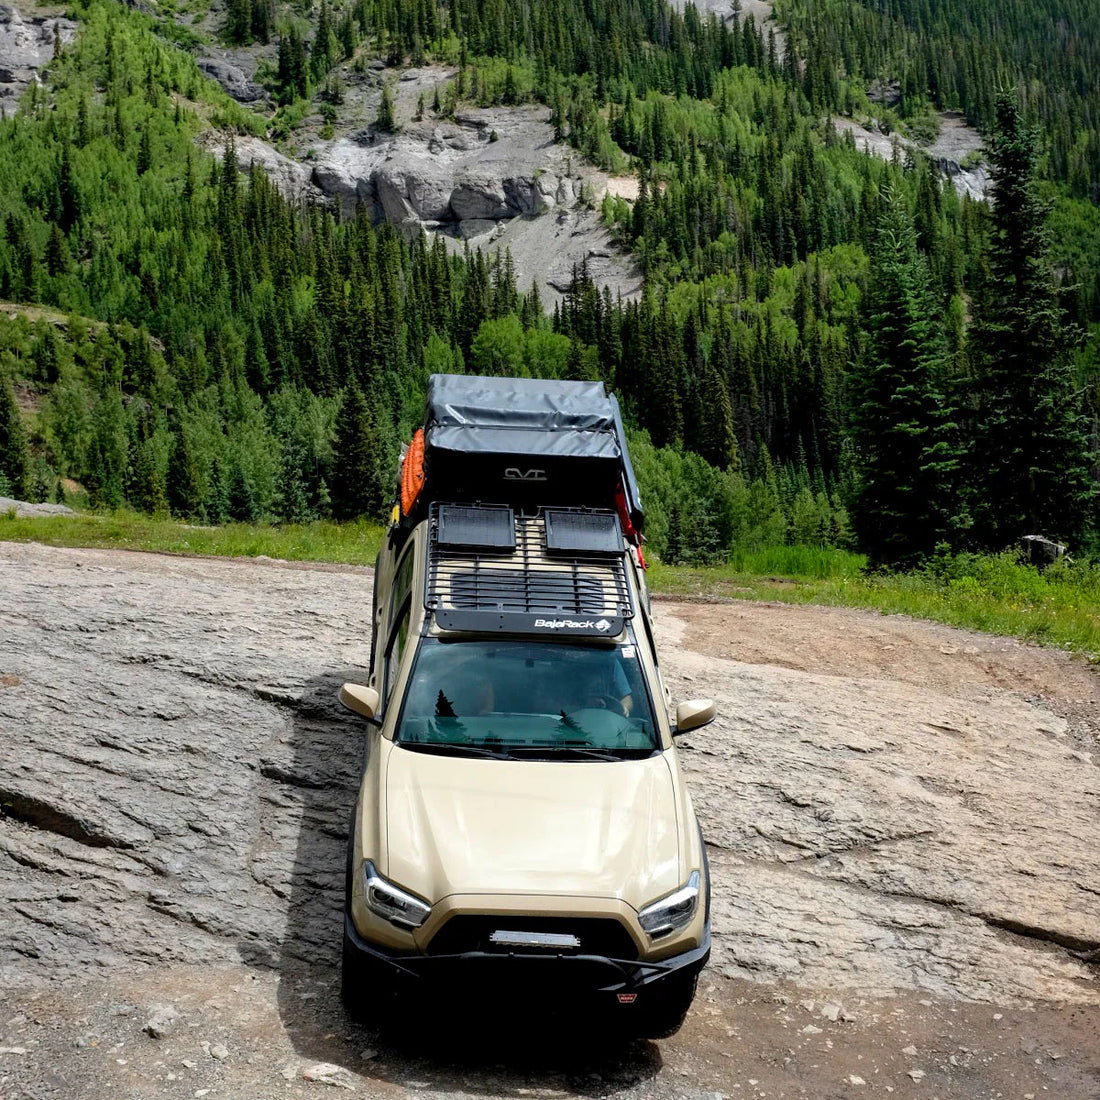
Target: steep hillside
<point>687,195</point>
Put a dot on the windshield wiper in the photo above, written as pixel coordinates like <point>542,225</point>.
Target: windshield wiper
<point>455,748</point>
<point>569,748</point>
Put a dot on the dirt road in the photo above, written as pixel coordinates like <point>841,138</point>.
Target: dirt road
<point>903,823</point>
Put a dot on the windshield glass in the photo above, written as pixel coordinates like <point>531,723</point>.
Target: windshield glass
<point>528,699</point>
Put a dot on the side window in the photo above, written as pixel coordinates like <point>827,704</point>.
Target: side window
<point>402,585</point>
<point>642,583</point>
<point>399,637</point>
<point>649,637</point>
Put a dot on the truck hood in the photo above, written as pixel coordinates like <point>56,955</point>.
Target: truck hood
<point>592,829</point>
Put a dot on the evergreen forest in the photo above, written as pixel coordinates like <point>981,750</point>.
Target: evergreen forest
<point>830,348</point>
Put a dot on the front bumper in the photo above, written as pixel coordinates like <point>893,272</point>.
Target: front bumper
<point>598,974</point>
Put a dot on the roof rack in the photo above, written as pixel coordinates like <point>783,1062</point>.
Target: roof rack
<point>557,571</point>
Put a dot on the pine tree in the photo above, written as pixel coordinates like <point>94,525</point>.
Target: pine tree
<point>67,193</point>
<point>322,56</point>
<point>675,548</point>
<point>292,73</point>
<point>293,496</point>
<point>238,21</point>
<point>263,19</point>
<point>1031,471</point>
<point>57,252</point>
<point>358,484</point>
<point>83,132</point>
<point>24,277</point>
<point>217,496</point>
<point>185,481</point>
<point>107,454</point>
<point>903,430</point>
<point>242,497</point>
<point>14,455</point>
<point>145,151</point>
<point>144,485</point>
<point>717,438</point>
<point>46,353</point>
<point>387,122</point>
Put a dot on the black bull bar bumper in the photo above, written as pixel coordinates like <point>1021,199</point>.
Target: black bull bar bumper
<point>596,973</point>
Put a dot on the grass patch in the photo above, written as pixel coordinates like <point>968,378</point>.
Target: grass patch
<point>990,593</point>
<point>347,543</point>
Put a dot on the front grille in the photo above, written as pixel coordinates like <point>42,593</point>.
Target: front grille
<point>598,935</point>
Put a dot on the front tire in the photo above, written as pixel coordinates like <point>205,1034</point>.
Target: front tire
<point>365,989</point>
<point>664,1009</point>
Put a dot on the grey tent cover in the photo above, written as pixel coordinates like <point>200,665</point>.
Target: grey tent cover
<point>575,423</point>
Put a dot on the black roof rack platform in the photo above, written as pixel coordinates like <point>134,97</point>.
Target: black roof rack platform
<point>577,587</point>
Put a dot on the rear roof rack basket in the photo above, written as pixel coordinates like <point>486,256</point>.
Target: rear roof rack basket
<point>480,581</point>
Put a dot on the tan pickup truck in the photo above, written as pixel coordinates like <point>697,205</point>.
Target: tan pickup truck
<point>522,820</point>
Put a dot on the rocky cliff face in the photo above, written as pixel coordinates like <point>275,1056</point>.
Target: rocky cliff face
<point>26,46</point>
<point>953,151</point>
<point>224,67</point>
<point>492,177</point>
<point>486,166</point>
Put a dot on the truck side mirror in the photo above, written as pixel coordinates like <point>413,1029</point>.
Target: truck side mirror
<point>693,713</point>
<point>363,700</point>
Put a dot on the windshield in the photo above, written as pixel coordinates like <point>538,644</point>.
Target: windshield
<point>528,699</point>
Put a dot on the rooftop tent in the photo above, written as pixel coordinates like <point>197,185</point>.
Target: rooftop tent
<point>528,442</point>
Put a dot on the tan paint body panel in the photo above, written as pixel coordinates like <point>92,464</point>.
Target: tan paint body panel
<point>467,826</point>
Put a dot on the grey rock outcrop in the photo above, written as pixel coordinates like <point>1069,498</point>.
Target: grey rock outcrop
<point>236,82</point>
<point>26,46</point>
<point>455,178</point>
<point>1041,551</point>
<point>289,175</point>
<point>410,194</point>
<point>937,839</point>
<point>443,175</point>
<point>955,152</point>
<point>26,508</point>
<point>482,197</point>
<point>488,179</point>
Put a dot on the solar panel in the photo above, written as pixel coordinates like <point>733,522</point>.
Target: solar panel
<point>482,528</point>
<point>583,533</point>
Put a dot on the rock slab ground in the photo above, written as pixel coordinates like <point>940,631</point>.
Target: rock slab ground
<point>903,824</point>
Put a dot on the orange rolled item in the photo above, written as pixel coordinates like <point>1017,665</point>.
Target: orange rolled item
<point>412,472</point>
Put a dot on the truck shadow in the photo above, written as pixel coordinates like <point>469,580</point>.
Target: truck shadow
<point>457,1041</point>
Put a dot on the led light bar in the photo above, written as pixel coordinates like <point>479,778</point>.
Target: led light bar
<point>503,938</point>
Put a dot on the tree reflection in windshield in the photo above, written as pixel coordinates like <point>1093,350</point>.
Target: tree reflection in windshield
<point>528,696</point>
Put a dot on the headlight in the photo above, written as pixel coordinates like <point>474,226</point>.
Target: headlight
<point>673,911</point>
<point>391,902</point>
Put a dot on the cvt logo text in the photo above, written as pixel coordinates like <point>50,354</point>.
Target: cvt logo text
<point>514,473</point>
<point>601,625</point>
